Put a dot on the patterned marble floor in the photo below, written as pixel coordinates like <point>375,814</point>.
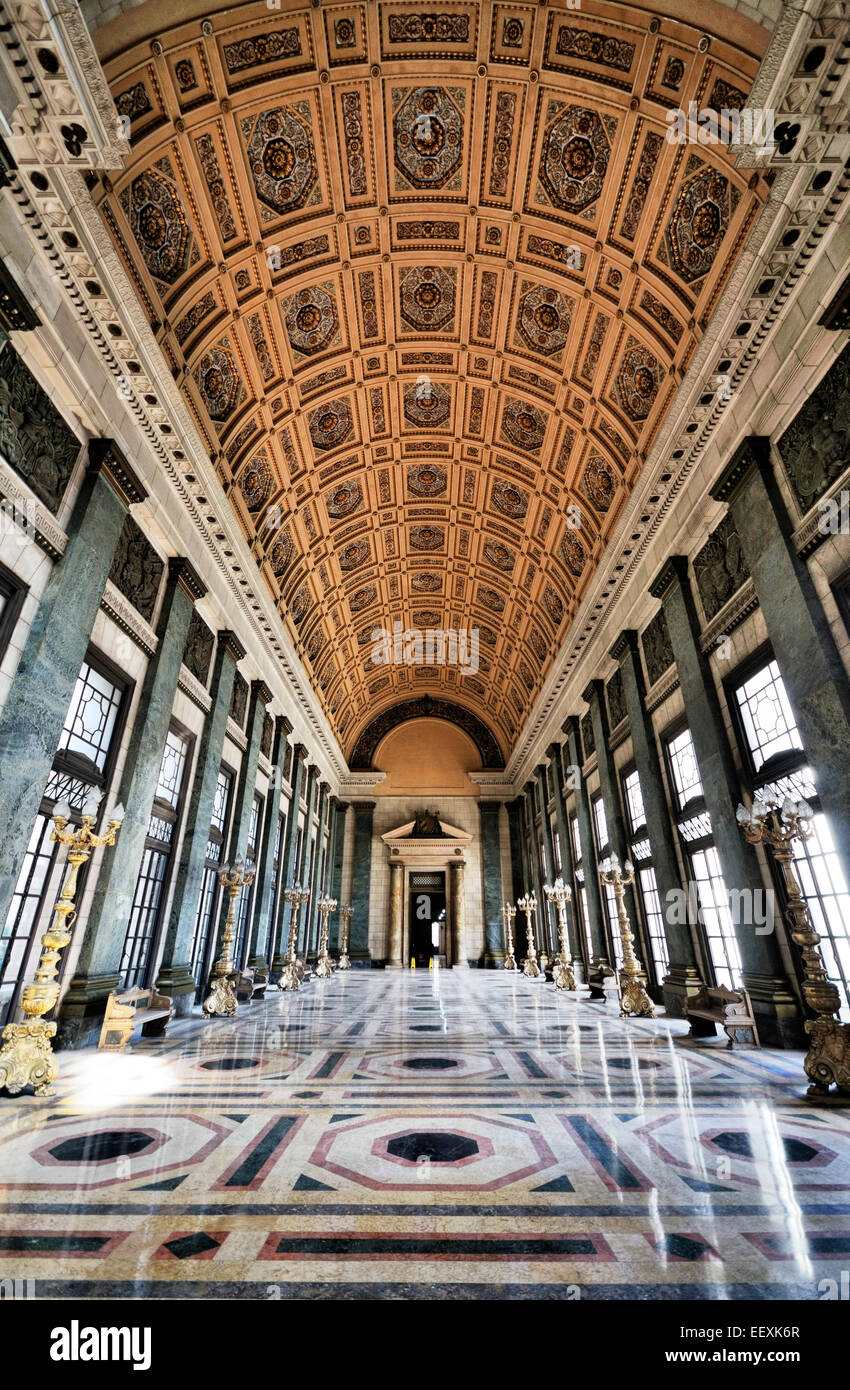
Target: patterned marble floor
<point>425,1135</point>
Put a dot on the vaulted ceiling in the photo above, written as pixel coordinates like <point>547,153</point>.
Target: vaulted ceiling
<point>428,282</point>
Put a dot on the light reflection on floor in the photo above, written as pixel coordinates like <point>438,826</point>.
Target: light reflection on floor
<point>433,1135</point>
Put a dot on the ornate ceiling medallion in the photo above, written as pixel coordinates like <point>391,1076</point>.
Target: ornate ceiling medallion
<point>426,480</point>
<point>543,320</point>
<point>159,223</point>
<point>427,538</point>
<point>255,481</point>
<point>341,501</point>
<point>704,204</point>
<point>330,425</point>
<point>281,158</point>
<point>427,136</point>
<point>427,297</point>
<point>219,382</point>
<point>575,155</point>
<point>638,380</point>
<point>524,426</point>
<point>510,500</point>
<point>311,320</point>
<point>599,482</point>
<point>427,404</point>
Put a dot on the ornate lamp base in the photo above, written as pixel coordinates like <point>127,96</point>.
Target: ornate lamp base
<point>343,963</point>
<point>222,997</point>
<point>564,977</point>
<point>530,968</point>
<point>827,1061</point>
<point>289,976</point>
<point>324,968</point>
<point>634,999</point>
<point>510,963</point>
<point>26,1058</point>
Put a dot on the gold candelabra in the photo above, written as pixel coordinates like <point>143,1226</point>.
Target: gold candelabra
<point>508,915</point>
<point>222,996</point>
<point>560,894</point>
<point>528,905</point>
<point>26,1057</point>
<point>346,913</point>
<point>778,825</point>
<point>295,895</point>
<point>633,996</point>
<point>325,966</point>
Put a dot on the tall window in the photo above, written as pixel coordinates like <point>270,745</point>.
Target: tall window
<point>203,943</point>
<point>582,905</point>
<point>694,825</point>
<point>776,761</point>
<point>603,849</point>
<point>640,851</point>
<point>556,848</point>
<point>148,900</point>
<point>82,765</point>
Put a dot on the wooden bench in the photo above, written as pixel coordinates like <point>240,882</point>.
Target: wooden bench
<point>250,986</point>
<point>601,980</point>
<point>731,1008</point>
<point>126,1011</point>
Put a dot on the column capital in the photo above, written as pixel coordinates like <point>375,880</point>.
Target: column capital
<point>282,725</point>
<point>673,571</point>
<point>260,691</point>
<point>553,752</point>
<point>361,806</point>
<point>300,752</point>
<point>231,643</point>
<point>312,772</point>
<point>489,807</point>
<point>752,452</point>
<point>16,312</point>
<point>571,726</point>
<point>106,457</point>
<point>341,806</point>
<point>187,577</point>
<point>528,788</point>
<point>592,691</point>
<point>625,643</point>
<point>324,788</point>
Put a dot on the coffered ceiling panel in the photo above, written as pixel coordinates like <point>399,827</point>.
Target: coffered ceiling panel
<point>428,282</point>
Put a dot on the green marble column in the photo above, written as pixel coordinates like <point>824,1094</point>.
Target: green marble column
<point>263,883</point>
<point>175,972</point>
<point>32,718</point>
<point>764,973</point>
<point>288,865</point>
<point>598,936</point>
<point>553,753</point>
<point>491,865</point>
<point>340,809</point>
<point>243,804</point>
<point>361,882</point>
<point>594,695</point>
<point>99,961</point>
<point>683,977</point>
<point>797,626</point>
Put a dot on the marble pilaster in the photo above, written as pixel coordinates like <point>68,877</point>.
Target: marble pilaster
<point>491,867</point>
<point>358,947</point>
<point>264,887</point>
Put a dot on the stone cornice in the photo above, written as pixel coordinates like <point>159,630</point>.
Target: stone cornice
<point>187,577</point>
<point>260,691</point>
<point>122,612</point>
<point>626,642</point>
<point>752,452</point>
<point>105,456</point>
<point>673,571</point>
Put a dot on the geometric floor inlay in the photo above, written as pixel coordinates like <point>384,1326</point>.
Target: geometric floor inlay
<point>387,1131</point>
